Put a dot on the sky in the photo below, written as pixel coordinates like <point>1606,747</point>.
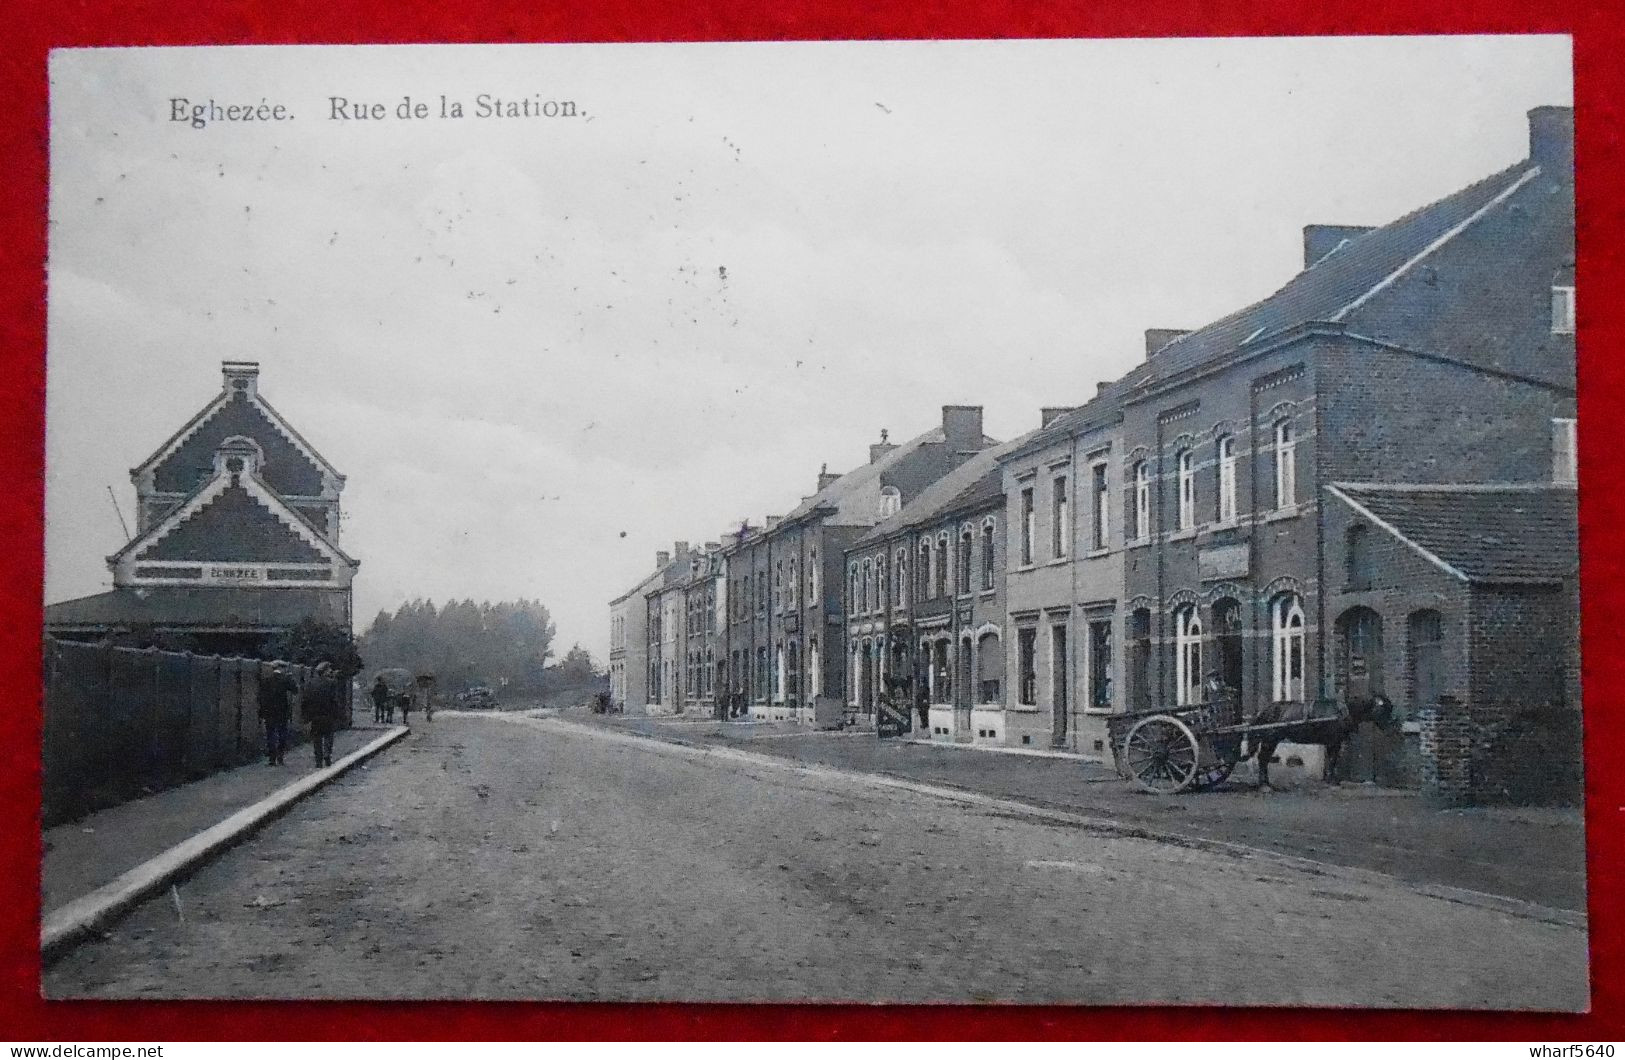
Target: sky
<point>542,349</point>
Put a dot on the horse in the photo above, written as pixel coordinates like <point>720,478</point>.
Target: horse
<point>1330,732</point>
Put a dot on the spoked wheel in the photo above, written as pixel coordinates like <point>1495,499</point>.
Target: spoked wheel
<point>1162,753</point>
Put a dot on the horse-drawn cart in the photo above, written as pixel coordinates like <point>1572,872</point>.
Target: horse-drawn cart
<point>1194,747</point>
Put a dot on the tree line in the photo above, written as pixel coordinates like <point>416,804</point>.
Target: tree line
<point>506,645</point>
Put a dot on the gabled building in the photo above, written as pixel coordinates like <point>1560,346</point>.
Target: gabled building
<point>237,533</point>
<point>1436,350</point>
<point>785,634</point>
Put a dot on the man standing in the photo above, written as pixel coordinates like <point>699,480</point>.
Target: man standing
<point>276,693</point>
<point>323,710</point>
<point>380,698</point>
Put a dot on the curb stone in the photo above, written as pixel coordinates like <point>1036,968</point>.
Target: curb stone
<point>83,916</point>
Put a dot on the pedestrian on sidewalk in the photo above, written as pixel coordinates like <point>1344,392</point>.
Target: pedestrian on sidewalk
<point>380,699</point>
<point>276,693</point>
<point>323,709</point>
<point>403,700</point>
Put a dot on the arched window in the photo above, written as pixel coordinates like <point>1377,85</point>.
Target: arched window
<point>1357,557</point>
<point>854,602</point>
<point>902,577</point>
<point>1188,655</point>
<point>881,597</point>
<point>1227,479</point>
<point>867,599</point>
<point>990,668</point>
<point>1142,501</point>
<point>1187,489</point>
<point>891,501</point>
<point>941,568</point>
<point>815,670</point>
<point>1286,466</point>
<point>1286,656</point>
<point>987,556</point>
<point>966,546</point>
<point>923,574</point>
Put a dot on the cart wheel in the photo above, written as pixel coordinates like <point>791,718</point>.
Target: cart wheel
<point>1161,752</point>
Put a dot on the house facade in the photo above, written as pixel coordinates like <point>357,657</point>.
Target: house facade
<point>237,534</point>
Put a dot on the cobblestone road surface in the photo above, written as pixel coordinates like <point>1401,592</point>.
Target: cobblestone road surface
<point>493,857</point>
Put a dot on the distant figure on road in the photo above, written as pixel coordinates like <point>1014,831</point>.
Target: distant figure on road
<point>276,692</point>
<point>380,699</point>
<point>403,700</point>
<point>323,709</point>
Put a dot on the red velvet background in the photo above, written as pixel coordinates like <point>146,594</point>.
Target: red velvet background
<point>30,28</point>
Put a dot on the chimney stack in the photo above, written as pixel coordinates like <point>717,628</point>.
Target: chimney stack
<point>680,548</point>
<point>825,479</point>
<point>1100,387</point>
<point>962,428</point>
<point>1157,338</point>
<point>1047,416</point>
<point>1321,240</point>
<point>882,447</point>
<point>1551,140</point>
<point>241,376</point>
<point>773,521</point>
<point>662,560</point>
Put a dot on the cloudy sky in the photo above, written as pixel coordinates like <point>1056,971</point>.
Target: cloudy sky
<point>542,349</point>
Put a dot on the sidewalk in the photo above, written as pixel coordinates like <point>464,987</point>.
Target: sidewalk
<point>1531,854</point>
<point>86,854</point>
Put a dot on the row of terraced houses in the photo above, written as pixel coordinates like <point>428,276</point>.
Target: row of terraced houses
<point>1363,484</point>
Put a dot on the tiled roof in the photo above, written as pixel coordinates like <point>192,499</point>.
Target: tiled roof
<point>286,469</point>
<point>228,607</point>
<point>233,526</point>
<point>855,496</point>
<point>1512,532</point>
<point>977,478</point>
<point>1326,291</point>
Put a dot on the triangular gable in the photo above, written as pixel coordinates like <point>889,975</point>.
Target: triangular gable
<point>234,521</point>
<point>291,466</point>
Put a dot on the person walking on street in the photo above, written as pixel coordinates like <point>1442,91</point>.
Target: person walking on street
<point>323,710</point>
<point>276,694</point>
<point>380,698</point>
<point>404,701</point>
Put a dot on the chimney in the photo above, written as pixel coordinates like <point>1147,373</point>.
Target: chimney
<point>773,521</point>
<point>713,546</point>
<point>1157,338</point>
<point>680,548</point>
<point>825,479</point>
<point>962,428</point>
<point>1047,416</point>
<point>880,448</point>
<point>1551,140</point>
<point>241,376</point>
<point>1321,240</point>
<point>1100,387</point>
<point>662,560</point>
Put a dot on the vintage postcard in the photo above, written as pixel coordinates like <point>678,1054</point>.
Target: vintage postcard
<point>1065,522</point>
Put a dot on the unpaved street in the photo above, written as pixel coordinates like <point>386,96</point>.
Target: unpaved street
<point>501,857</point>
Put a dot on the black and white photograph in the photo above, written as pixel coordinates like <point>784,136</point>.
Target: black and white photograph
<point>1058,522</point>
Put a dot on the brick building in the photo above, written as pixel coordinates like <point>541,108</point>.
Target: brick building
<point>629,644</point>
<point>1434,350</point>
<point>785,635</point>
<point>237,534</point>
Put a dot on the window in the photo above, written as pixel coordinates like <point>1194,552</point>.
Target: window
<point>778,674</point>
<point>1059,659</point>
<point>814,685</point>
<point>891,501</point>
<point>966,548</point>
<point>1426,659</point>
<point>1565,452</point>
<point>812,577</point>
<point>881,587</point>
<point>1027,527</point>
<point>1060,517</point>
<point>1142,501</point>
<point>1139,632</point>
<point>990,667</point>
<point>1102,495</point>
<point>940,568</point>
<point>1562,310</point>
<point>854,603</point>
<point>1286,469</point>
<point>1188,656</point>
<point>1357,557</point>
<point>987,556</point>
<point>902,577</point>
<point>792,584</point>
<point>1100,664</point>
<point>1187,490</point>
<point>1027,666</point>
<point>922,574</point>
<point>792,672</point>
<point>761,673</point>
<point>1227,479</point>
<point>1286,630</point>
<point>867,597</point>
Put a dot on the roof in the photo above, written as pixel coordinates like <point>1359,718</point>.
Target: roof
<point>855,497</point>
<point>977,479</point>
<point>292,466</point>
<point>1103,406</point>
<point>1346,279</point>
<point>228,607</point>
<point>1491,533</point>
